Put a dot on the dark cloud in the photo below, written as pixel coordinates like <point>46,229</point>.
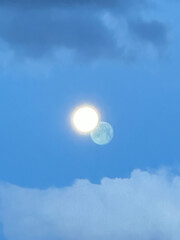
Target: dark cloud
<point>154,31</point>
<point>38,28</point>
<point>121,4</point>
<point>36,34</point>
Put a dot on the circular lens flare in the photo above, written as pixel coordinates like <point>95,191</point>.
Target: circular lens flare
<point>85,119</point>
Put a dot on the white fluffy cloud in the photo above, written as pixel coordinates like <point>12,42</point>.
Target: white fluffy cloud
<point>145,206</point>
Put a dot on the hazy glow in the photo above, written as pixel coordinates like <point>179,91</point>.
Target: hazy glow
<point>85,119</point>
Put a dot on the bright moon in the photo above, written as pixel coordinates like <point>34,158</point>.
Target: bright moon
<point>85,119</point>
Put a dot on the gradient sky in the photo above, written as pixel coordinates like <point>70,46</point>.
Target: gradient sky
<point>121,56</point>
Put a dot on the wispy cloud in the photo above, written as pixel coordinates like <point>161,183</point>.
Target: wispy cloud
<point>144,206</point>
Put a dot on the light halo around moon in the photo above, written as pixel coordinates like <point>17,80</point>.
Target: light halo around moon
<point>85,119</point>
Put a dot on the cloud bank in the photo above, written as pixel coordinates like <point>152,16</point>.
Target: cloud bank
<point>36,29</point>
<point>145,206</point>
<point>121,4</point>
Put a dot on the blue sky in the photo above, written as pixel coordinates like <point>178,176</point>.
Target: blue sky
<point>120,56</point>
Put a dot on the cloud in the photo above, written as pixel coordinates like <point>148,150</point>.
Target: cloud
<point>36,35</point>
<point>36,29</point>
<point>144,206</point>
<point>153,31</point>
<point>123,5</point>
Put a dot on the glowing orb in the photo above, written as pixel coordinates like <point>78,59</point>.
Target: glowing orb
<point>103,134</point>
<point>85,119</point>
